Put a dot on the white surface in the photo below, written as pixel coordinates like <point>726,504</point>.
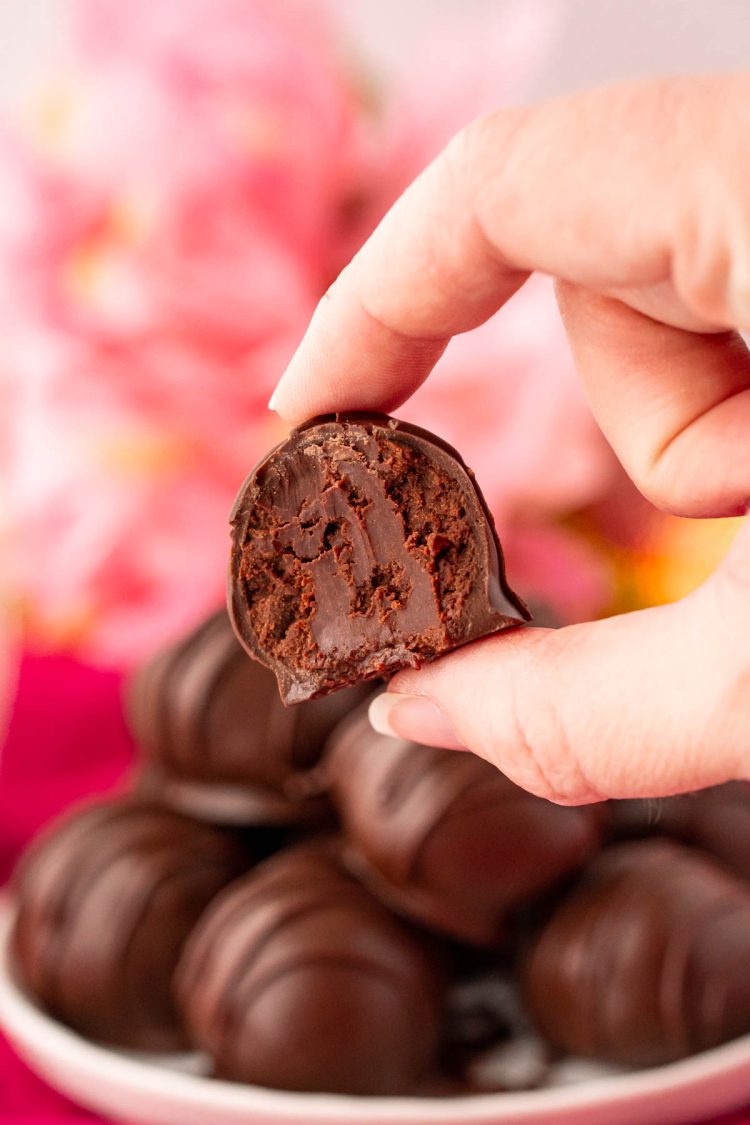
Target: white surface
<point>152,1093</point>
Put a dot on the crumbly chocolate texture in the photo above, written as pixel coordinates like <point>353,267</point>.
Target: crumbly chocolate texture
<point>106,898</point>
<point>297,979</point>
<point>362,545</point>
<point>646,961</point>
<point>217,741</point>
<point>445,838</point>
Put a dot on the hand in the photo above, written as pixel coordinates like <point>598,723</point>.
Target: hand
<point>636,199</point>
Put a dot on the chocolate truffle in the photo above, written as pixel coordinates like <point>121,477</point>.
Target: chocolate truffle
<point>362,545</point>
<point>296,978</point>
<point>106,898</point>
<point>217,741</point>
<point>445,837</point>
<point>646,961</point>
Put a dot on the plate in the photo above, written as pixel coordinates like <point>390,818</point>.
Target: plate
<point>154,1090</point>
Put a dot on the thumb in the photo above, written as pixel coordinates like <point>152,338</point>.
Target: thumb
<point>644,704</point>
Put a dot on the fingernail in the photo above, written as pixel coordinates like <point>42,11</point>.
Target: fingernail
<point>274,400</point>
<point>414,717</point>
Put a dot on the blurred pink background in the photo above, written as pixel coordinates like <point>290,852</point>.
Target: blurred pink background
<point>178,185</point>
<point>179,182</point>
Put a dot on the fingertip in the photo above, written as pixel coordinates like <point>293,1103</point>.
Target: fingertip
<point>302,389</point>
<point>416,718</point>
<point>379,714</point>
<point>287,395</point>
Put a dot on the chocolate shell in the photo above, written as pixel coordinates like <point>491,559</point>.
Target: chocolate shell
<point>362,545</point>
<point>444,837</point>
<point>218,743</point>
<point>106,899</point>
<point>296,978</point>
<point>646,961</point>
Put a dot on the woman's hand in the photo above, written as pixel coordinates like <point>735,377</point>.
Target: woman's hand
<point>636,198</point>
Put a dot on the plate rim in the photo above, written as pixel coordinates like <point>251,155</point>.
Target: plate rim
<point>26,1025</point>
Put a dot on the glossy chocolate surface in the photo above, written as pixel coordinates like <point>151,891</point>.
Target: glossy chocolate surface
<point>444,837</point>
<point>362,545</point>
<point>106,899</point>
<point>646,961</point>
<point>217,741</point>
<point>298,979</point>
<point>716,820</point>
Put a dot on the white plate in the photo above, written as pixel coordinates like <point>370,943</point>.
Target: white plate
<point>163,1092</point>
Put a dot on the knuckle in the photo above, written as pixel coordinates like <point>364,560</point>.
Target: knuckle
<point>655,482</point>
<point>673,480</point>
<point>474,152</point>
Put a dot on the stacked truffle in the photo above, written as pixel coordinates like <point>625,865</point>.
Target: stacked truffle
<point>320,908</point>
<point>216,739</point>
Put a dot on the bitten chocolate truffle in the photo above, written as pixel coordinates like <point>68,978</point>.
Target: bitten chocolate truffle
<point>646,961</point>
<point>296,978</point>
<point>217,741</point>
<point>445,837</point>
<point>362,545</point>
<point>106,899</point>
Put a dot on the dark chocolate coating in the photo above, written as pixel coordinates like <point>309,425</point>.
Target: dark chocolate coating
<point>296,978</point>
<point>646,961</point>
<point>445,837</point>
<point>217,741</point>
<point>106,899</point>
<point>716,820</point>
<point>361,545</point>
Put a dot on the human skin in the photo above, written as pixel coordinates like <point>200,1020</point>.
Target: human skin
<point>636,199</point>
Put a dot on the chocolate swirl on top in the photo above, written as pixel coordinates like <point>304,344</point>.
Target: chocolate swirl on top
<point>106,899</point>
<point>217,740</point>
<point>297,978</point>
<point>445,837</point>
<point>646,960</point>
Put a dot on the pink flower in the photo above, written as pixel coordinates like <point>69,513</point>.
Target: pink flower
<point>564,577</point>
<point>172,227</point>
<point>119,506</point>
<point>238,98</point>
<point>166,232</point>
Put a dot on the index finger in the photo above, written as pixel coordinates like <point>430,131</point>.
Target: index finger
<point>635,188</point>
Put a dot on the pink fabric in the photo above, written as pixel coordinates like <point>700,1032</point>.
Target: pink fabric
<point>66,739</point>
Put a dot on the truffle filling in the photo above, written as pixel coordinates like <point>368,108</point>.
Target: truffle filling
<point>365,524</point>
